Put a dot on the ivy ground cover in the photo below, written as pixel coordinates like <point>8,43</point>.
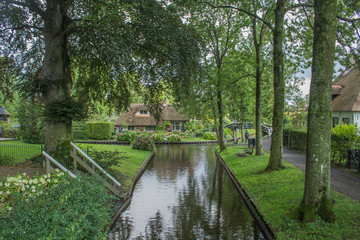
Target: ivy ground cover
<point>278,193</point>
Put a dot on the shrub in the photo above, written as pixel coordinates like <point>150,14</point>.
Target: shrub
<point>126,136</point>
<point>297,139</point>
<point>176,132</point>
<point>210,136</point>
<point>26,187</point>
<point>199,134</point>
<point>173,138</point>
<point>160,129</point>
<point>31,119</point>
<point>99,130</point>
<point>74,209</point>
<point>228,133</point>
<point>80,134</point>
<point>343,137</point>
<point>143,142</point>
<point>159,137</point>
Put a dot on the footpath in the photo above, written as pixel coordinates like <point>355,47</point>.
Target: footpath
<point>343,182</point>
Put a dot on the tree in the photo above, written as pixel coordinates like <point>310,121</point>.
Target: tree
<point>276,151</point>
<point>92,46</point>
<point>317,200</point>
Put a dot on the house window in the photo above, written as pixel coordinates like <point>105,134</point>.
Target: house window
<point>150,128</point>
<point>346,120</point>
<point>335,121</point>
<point>143,112</point>
<point>130,128</point>
<point>120,129</point>
<point>176,126</point>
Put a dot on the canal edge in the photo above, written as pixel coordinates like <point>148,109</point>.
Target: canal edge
<point>266,229</point>
<point>128,197</point>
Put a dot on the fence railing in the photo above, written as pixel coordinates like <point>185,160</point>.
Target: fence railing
<point>49,168</point>
<point>86,163</point>
<point>353,160</point>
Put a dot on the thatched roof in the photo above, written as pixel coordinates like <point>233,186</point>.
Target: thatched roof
<point>346,88</point>
<point>4,112</point>
<point>130,118</point>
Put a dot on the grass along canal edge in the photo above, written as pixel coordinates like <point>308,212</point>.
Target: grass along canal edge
<point>276,194</point>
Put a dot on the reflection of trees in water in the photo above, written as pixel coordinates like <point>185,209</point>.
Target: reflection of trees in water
<point>208,208</point>
<point>122,229</point>
<point>220,215</point>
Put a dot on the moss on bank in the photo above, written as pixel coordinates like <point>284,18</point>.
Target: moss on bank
<point>279,193</point>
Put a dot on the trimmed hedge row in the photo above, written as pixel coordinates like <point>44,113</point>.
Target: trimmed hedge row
<point>99,130</point>
<point>297,139</point>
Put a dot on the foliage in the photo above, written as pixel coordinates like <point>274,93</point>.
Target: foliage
<point>173,137</point>
<point>65,110</point>
<point>80,134</point>
<point>107,158</point>
<point>143,142</point>
<point>297,139</point>
<point>126,136</point>
<point>27,187</point>
<point>10,133</point>
<point>126,169</point>
<point>209,125</point>
<point>210,136</point>
<point>160,129</point>
<point>194,126</point>
<point>74,209</point>
<point>31,120</point>
<point>343,137</point>
<point>277,192</point>
<point>228,133</point>
<point>159,136</point>
<point>99,130</point>
<point>166,125</point>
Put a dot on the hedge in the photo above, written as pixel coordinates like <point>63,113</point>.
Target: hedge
<point>99,130</point>
<point>80,134</point>
<point>297,139</point>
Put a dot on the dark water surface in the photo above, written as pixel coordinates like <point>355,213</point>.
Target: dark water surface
<point>185,194</point>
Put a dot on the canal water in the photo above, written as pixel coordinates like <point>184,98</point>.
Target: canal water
<point>185,194</point>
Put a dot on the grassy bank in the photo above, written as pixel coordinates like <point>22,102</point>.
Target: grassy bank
<point>278,193</point>
<point>126,168</point>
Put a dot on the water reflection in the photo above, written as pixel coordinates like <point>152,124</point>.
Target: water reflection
<point>185,194</point>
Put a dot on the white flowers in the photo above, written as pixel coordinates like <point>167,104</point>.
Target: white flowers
<point>27,187</point>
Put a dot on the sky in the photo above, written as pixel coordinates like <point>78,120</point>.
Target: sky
<point>305,89</point>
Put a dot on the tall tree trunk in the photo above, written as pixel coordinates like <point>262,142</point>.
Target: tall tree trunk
<point>221,139</point>
<point>317,199</point>
<point>258,77</point>
<point>55,71</point>
<point>276,150</point>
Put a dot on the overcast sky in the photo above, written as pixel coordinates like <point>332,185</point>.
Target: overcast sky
<point>307,75</point>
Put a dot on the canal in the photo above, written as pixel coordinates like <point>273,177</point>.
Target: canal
<point>185,194</point>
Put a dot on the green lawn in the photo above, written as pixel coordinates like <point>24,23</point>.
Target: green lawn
<point>124,170</point>
<point>278,193</point>
<point>15,152</point>
<point>127,167</point>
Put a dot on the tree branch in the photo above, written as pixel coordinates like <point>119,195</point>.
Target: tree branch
<point>31,5</point>
<point>247,75</point>
<point>243,11</point>
<point>345,19</point>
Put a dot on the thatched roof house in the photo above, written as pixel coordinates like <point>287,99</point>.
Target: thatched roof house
<point>138,117</point>
<point>4,115</point>
<point>346,98</point>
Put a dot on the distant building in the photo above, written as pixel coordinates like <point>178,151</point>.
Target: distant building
<point>346,98</point>
<point>4,115</point>
<point>137,117</point>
